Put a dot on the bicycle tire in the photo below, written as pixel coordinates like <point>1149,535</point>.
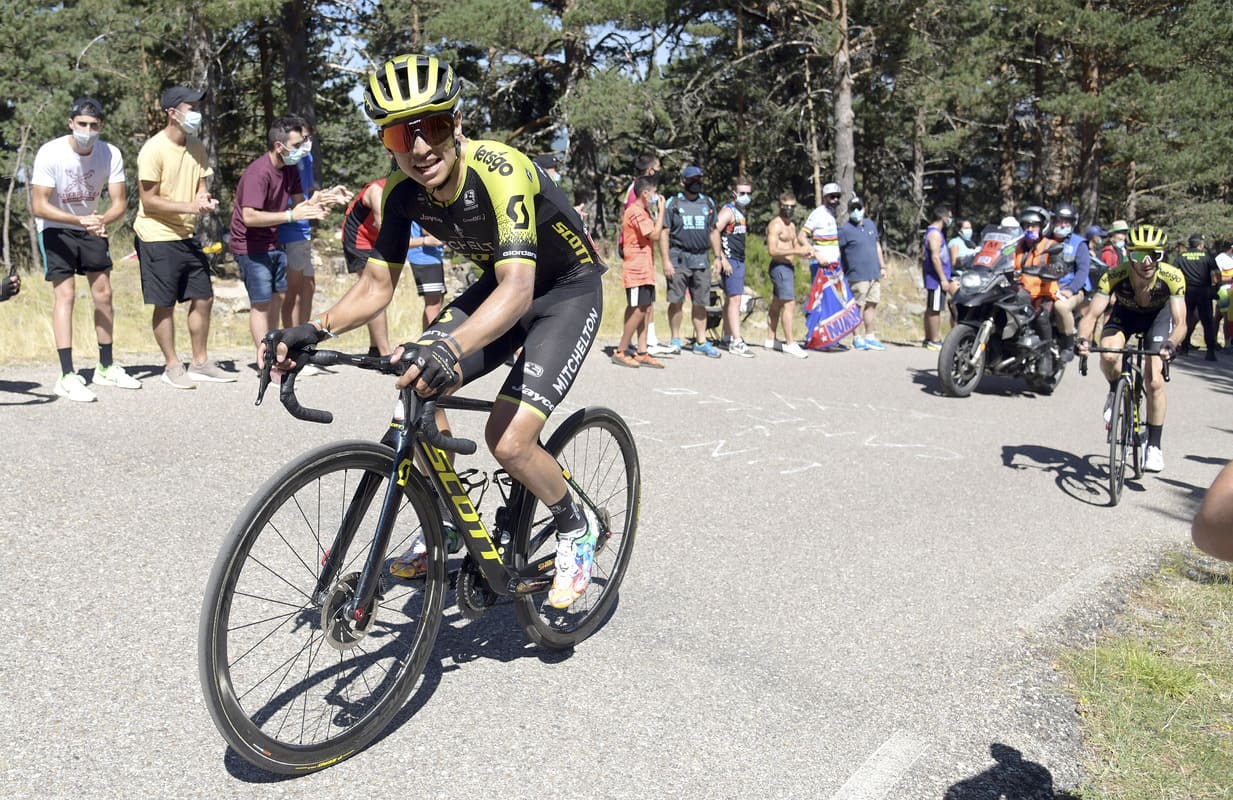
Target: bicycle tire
<point>596,447</point>
<point>1119,439</point>
<point>307,709</point>
<point>1138,435</point>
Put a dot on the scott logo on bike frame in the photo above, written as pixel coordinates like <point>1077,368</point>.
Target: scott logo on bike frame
<point>457,494</point>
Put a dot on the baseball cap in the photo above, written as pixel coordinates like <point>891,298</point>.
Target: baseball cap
<point>855,202</point>
<point>1094,230</point>
<point>547,161</point>
<point>174,95</point>
<point>88,106</point>
<point>1119,226</point>
<point>830,188</point>
<point>1009,222</point>
<point>691,172</point>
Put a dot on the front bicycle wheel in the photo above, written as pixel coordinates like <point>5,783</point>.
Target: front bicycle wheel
<point>597,449</point>
<point>292,682</point>
<point>1120,434</point>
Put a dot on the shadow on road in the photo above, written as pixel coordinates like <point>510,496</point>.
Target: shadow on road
<point>32,398</point>
<point>991,385</point>
<point>496,635</point>
<point>1082,478</point>
<point>1011,778</point>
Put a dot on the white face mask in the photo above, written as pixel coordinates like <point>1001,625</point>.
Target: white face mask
<point>1062,230</point>
<point>857,214</point>
<point>743,199</point>
<point>85,139</point>
<point>190,122</point>
<point>307,146</point>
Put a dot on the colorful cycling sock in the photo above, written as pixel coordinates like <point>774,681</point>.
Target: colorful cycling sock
<point>66,359</point>
<point>1154,433</point>
<point>104,354</point>
<point>567,515</point>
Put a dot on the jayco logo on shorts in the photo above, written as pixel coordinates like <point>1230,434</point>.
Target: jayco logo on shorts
<point>496,162</point>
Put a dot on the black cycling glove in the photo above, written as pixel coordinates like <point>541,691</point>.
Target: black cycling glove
<point>436,362</point>
<point>299,338</point>
<point>9,287</point>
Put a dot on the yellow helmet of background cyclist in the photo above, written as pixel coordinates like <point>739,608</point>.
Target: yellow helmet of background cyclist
<point>410,86</point>
<point>1147,237</point>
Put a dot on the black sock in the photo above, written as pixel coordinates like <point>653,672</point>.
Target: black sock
<point>66,359</point>
<point>568,516</point>
<point>104,355</point>
<point>373,351</point>
<point>1153,434</point>
<point>1112,387</point>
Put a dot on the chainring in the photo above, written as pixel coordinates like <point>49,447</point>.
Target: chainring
<point>474,596</point>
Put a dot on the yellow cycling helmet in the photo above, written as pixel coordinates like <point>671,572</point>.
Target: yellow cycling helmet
<point>1147,237</point>
<point>409,86</point>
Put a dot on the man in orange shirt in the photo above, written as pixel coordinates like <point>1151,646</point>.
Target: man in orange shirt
<point>639,233</point>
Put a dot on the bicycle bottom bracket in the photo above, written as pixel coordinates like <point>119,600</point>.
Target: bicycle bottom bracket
<point>474,596</point>
<point>342,632</point>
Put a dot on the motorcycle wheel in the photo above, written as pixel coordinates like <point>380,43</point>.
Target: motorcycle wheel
<point>960,370</point>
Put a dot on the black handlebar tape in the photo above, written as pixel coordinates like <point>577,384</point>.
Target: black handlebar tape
<point>427,424</point>
<point>286,393</point>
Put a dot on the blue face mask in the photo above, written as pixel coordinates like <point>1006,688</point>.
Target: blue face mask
<point>857,214</point>
<point>293,157</point>
<point>1031,236</point>
<point>743,199</point>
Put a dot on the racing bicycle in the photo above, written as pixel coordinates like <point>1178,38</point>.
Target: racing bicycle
<point>1127,426</point>
<point>308,646</point>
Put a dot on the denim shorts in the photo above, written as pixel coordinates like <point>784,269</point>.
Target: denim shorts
<point>263,274</point>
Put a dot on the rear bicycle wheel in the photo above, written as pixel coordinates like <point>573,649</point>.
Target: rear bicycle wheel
<point>596,447</point>
<point>1120,436</point>
<point>293,684</point>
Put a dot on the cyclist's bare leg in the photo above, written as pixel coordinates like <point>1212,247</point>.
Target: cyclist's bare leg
<point>1154,386</point>
<point>512,435</point>
<point>1111,363</point>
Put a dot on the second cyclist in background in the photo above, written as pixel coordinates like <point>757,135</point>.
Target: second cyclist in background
<point>1150,300</point>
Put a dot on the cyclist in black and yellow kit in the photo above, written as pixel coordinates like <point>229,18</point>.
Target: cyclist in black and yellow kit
<point>1149,298</point>
<point>540,289</point>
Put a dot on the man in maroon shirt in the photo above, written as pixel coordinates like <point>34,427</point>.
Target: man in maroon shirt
<point>260,206</point>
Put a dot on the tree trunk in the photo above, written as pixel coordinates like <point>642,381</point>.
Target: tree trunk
<point>815,157</point>
<point>1006,170</point>
<point>265,49</point>
<point>1132,196</point>
<point>742,161</point>
<point>299,72</point>
<point>918,174</point>
<point>845,121</point>
<point>1089,142</point>
<point>203,74</point>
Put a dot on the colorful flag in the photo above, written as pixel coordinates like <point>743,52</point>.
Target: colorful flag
<point>832,312</point>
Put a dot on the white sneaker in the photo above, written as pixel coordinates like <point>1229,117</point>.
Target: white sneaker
<point>73,386</point>
<point>660,350</point>
<point>115,376</point>
<point>1109,408</point>
<point>739,348</point>
<point>1153,461</point>
<point>794,349</point>
<point>773,344</point>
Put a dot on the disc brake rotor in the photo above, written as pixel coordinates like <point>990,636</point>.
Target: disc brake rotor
<point>341,631</point>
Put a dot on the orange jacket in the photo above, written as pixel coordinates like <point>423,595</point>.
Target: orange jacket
<point>1039,287</point>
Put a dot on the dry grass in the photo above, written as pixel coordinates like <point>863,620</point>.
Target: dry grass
<point>1156,696</point>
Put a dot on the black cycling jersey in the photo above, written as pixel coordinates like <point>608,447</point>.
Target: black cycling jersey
<point>1168,282</point>
<point>505,210</point>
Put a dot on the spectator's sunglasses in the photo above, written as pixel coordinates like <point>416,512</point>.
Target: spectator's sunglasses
<point>1146,257</point>
<point>434,129</point>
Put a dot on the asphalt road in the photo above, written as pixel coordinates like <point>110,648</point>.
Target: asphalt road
<point>845,586</point>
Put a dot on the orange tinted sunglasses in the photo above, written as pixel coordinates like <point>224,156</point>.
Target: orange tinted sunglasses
<point>433,129</point>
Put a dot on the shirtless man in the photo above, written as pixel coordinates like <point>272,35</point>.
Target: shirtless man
<point>783,246</point>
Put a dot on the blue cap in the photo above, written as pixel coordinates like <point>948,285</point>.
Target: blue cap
<point>1094,230</point>
<point>691,172</point>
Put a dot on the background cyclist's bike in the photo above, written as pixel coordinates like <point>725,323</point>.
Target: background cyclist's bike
<point>1127,425</point>
<point>309,646</point>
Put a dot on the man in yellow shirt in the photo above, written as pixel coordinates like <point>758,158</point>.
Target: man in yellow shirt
<point>171,173</point>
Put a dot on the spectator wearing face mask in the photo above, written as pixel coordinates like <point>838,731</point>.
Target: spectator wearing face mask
<point>1114,251</point>
<point>728,243</point>
<point>860,253</point>
<point>962,247</point>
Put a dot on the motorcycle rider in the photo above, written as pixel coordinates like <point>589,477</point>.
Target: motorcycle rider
<point>1071,286</point>
<point>1150,300</point>
<point>1031,263</point>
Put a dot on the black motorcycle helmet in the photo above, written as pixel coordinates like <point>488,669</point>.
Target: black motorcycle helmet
<point>1031,216</point>
<point>1065,210</point>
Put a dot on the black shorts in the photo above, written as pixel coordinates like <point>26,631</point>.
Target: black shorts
<point>67,252</point>
<point>356,259</point>
<point>173,272</point>
<point>1156,325</point>
<point>429,278</point>
<point>638,296</point>
<point>555,337</point>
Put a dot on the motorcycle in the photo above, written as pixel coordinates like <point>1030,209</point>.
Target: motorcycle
<point>995,330</point>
